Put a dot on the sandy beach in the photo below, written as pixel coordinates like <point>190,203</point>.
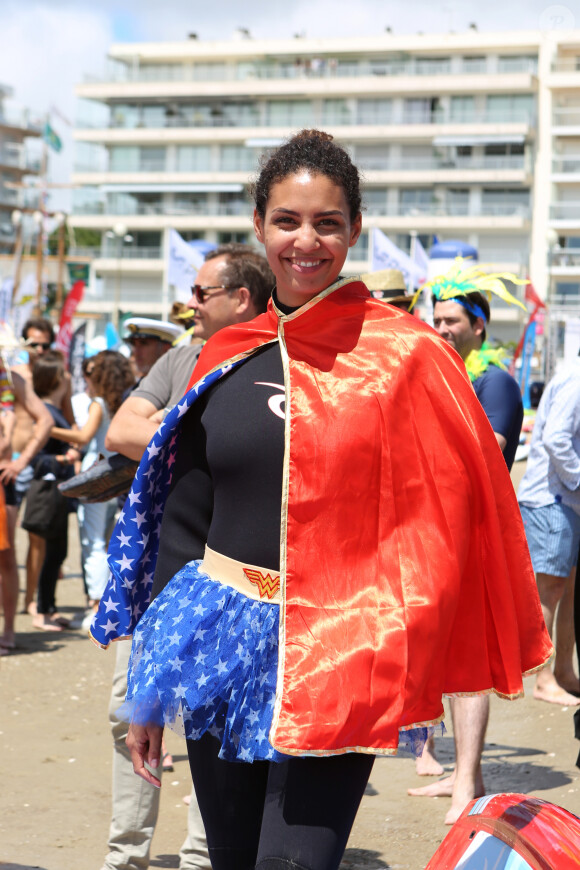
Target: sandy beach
<point>56,757</point>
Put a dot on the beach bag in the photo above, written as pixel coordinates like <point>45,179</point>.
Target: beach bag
<point>46,510</point>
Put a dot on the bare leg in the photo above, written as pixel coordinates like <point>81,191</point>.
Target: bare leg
<point>34,560</point>
<point>551,590</point>
<point>470,717</point>
<point>566,638</point>
<point>427,764</point>
<point>9,572</point>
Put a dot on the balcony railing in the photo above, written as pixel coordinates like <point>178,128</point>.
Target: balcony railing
<point>492,161</point>
<point>568,64</point>
<point>328,118</point>
<point>566,163</point>
<point>436,209</point>
<point>565,211</point>
<point>135,252</point>
<point>567,117</point>
<point>566,257</point>
<point>300,68</point>
<point>230,209</point>
<point>23,121</point>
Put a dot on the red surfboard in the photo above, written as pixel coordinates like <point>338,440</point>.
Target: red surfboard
<point>510,832</point>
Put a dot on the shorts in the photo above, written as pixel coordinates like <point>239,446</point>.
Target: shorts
<point>553,535</point>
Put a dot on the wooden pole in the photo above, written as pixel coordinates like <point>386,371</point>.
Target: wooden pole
<point>60,274</point>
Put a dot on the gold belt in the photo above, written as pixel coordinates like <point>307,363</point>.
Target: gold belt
<point>261,584</point>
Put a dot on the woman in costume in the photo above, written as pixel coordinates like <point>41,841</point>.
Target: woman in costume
<point>326,483</point>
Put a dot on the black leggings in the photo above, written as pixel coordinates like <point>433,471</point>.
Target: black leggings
<point>268,816</point>
<point>56,550</point>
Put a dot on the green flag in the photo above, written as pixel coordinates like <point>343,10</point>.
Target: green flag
<point>51,138</point>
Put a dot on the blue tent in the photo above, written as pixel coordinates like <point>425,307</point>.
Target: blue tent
<point>450,249</point>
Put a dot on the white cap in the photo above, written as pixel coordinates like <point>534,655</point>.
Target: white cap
<point>148,327</point>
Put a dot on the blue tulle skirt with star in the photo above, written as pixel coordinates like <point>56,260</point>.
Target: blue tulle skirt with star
<point>204,658</point>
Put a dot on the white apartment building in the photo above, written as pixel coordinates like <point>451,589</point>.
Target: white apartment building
<point>16,163</point>
<point>471,136</point>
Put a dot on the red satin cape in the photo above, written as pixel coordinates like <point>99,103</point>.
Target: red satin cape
<point>405,573</point>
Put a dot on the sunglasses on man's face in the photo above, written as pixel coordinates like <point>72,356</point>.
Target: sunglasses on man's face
<point>38,345</point>
<point>201,293</point>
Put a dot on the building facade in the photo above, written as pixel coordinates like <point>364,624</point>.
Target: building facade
<point>16,163</point>
<point>467,136</point>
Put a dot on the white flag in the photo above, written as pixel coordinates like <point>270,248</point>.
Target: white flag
<point>386,255</point>
<point>183,264</point>
<point>421,260</point>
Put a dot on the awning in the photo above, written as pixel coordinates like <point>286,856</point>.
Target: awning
<point>172,188</point>
<point>479,140</point>
<point>263,143</point>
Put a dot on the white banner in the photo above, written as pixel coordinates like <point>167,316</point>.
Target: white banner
<point>387,255</point>
<point>183,263</point>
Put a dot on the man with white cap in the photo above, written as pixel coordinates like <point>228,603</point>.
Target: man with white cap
<point>149,339</point>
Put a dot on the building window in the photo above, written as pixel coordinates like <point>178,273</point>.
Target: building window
<point>420,110</point>
<point>415,200</point>
<point>432,66</point>
<point>237,158</point>
<point>462,109</point>
<point>375,200</point>
<point>336,111</point>
<point>374,111</point>
<point>193,158</point>
<point>457,201</point>
<point>473,64</point>
<point>290,113</point>
<point>517,63</point>
<point>498,201</point>
<point>510,108</point>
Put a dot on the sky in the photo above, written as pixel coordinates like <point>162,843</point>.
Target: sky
<point>49,46</point>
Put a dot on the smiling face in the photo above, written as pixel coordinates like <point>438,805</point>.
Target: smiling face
<point>306,231</point>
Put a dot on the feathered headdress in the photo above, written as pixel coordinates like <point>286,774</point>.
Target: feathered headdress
<point>462,279</point>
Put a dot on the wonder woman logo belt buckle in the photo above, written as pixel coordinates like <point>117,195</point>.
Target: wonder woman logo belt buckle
<point>267,585</point>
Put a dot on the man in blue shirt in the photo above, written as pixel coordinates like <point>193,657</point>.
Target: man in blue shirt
<point>462,321</point>
<point>549,498</point>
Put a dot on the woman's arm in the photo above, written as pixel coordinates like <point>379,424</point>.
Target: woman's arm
<point>81,436</point>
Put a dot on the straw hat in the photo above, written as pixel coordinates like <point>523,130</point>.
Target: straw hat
<point>388,284</point>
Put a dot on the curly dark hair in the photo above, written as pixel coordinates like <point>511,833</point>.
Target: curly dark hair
<point>41,324</point>
<point>111,377</point>
<point>313,150</point>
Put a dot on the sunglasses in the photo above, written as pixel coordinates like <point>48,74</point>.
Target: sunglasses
<point>201,293</point>
<point>45,345</point>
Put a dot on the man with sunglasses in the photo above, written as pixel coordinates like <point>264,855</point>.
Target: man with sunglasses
<point>233,285</point>
<point>38,336</point>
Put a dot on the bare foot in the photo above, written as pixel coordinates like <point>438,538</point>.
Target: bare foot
<point>31,608</point>
<point>44,623</point>
<point>61,620</point>
<point>426,764</point>
<point>462,795</point>
<point>441,788</point>
<point>568,681</point>
<point>7,641</point>
<point>555,694</point>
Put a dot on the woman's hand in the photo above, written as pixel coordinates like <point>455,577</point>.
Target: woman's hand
<point>144,744</point>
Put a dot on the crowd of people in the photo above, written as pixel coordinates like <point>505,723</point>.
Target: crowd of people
<point>322,539</point>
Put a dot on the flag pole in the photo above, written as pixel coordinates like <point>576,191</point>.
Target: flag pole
<point>411,280</point>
